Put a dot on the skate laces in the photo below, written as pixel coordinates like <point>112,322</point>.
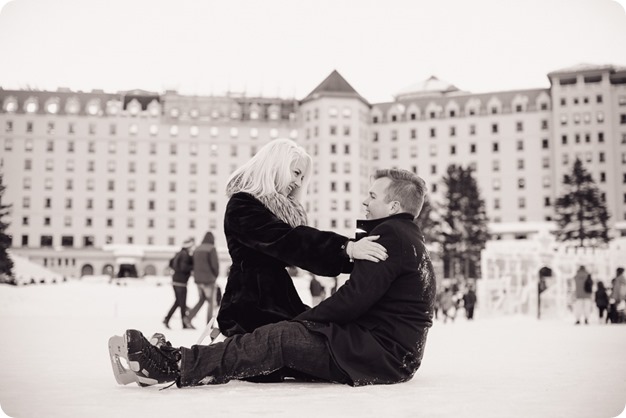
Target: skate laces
<point>161,359</point>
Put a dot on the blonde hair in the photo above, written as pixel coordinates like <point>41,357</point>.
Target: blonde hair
<point>270,170</point>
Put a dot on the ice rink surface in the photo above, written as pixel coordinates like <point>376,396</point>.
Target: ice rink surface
<point>54,363</point>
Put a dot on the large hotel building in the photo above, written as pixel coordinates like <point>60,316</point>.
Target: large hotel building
<point>98,179</point>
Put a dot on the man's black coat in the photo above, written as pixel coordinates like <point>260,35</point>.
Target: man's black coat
<point>376,323</point>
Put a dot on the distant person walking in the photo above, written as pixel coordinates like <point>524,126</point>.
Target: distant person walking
<point>318,293</point>
<point>602,301</point>
<point>446,303</point>
<point>206,268</point>
<point>182,264</point>
<point>584,289</point>
<point>618,297</point>
<point>469,302</point>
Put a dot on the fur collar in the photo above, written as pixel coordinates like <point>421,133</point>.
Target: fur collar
<point>286,209</point>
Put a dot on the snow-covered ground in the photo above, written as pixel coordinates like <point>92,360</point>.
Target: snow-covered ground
<point>54,363</point>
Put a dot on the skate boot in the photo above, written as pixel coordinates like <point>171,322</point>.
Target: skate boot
<point>150,363</point>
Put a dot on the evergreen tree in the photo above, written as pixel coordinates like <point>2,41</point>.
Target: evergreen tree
<point>6,264</point>
<point>581,215</point>
<point>428,223</point>
<point>464,224</point>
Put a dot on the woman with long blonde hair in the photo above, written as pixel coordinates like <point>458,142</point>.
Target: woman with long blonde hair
<point>266,231</point>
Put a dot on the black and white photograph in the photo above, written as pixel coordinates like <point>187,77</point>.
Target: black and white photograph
<point>274,208</point>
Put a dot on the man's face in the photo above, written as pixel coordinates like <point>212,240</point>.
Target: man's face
<point>375,205</point>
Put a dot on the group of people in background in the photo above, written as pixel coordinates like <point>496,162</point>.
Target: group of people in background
<point>611,301</point>
<point>452,299</point>
<point>203,262</point>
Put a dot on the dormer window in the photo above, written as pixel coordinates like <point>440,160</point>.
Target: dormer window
<point>134,107</point>
<point>154,109</point>
<point>113,107</point>
<point>72,106</point>
<point>10,104</point>
<point>215,114</point>
<point>174,112</point>
<point>333,112</point>
<point>31,105</point>
<point>347,112</point>
<point>274,112</point>
<point>52,106</point>
<point>93,107</point>
<point>194,113</point>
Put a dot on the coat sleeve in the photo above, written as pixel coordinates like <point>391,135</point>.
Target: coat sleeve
<point>368,282</point>
<point>214,263</point>
<point>320,252</point>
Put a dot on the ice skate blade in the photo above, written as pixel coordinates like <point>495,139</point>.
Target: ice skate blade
<point>117,349</point>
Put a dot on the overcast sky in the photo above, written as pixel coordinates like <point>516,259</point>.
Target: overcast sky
<point>286,47</point>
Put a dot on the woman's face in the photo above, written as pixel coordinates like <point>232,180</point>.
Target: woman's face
<point>297,175</point>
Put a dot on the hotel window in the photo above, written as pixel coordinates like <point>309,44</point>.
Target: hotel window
<point>212,206</point>
<point>520,164</point>
<point>92,129</point>
<point>452,149</point>
<point>132,167</point>
<point>602,177</point>
<point>565,159</point>
<point>544,143</point>
<point>599,98</point>
<point>333,167</point>
<point>49,145</point>
<point>472,129</point>
<point>234,132</point>
<point>9,126</point>
<point>496,203</point>
<point>433,133</point>
<point>25,220</point>
<point>519,127</point>
<point>546,201</point>
<point>27,183</point>
<point>174,130</point>
<point>433,169</point>
<point>173,149</point>
<point>8,144</point>
<point>29,127</point>
<point>346,167</point>
<point>494,110</point>
<point>193,168</point>
<point>113,129</point>
<point>274,133</point>
<point>194,130</point>
<point>576,118</point>
<point>233,150</point>
<point>254,133</point>
<point>89,204</point>
<point>91,166</point>
<point>152,186</point>
<point>193,187</point>
<point>601,157</point>
<point>26,202</point>
<point>213,168</point>
<point>564,139</point>
<point>600,137</point>
<point>70,146</point>
<point>47,203</point>
<point>452,131</point>
<point>494,128</point>
<point>587,137</point>
<point>521,183</point>
<point>563,120</point>
<point>131,204</point>
<point>28,145</point>
<point>111,166</point>
<point>346,131</point>
<point>150,206</point>
<point>109,223</point>
<point>413,133</point>
<point>91,147</point>
<point>172,168</point>
<point>110,204</point>
<point>413,151</point>
<point>521,202</point>
<point>50,130</point>
<point>111,185</point>
<point>394,153</point>
<point>432,150</point>
<point>171,205</point>
<point>132,147</point>
<point>133,129</point>
<point>49,164</point>
<point>496,184</point>
<point>375,154</point>
<point>495,147</point>
<point>346,149</point>
<point>413,116</point>
<point>69,184</point>
<point>546,182</point>
<point>587,117</point>
<point>577,138</point>
<point>112,147</point>
<point>600,117</point>
<point>172,186</point>
<point>28,164</point>
<point>520,145</point>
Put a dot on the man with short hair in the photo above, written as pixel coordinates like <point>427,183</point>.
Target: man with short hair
<point>182,265</point>
<point>371,331</point>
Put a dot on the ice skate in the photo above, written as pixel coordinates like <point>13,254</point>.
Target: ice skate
<point>213,332</point>
<point>149,362</point>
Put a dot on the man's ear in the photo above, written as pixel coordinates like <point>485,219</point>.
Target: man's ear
<point>394,207</point>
